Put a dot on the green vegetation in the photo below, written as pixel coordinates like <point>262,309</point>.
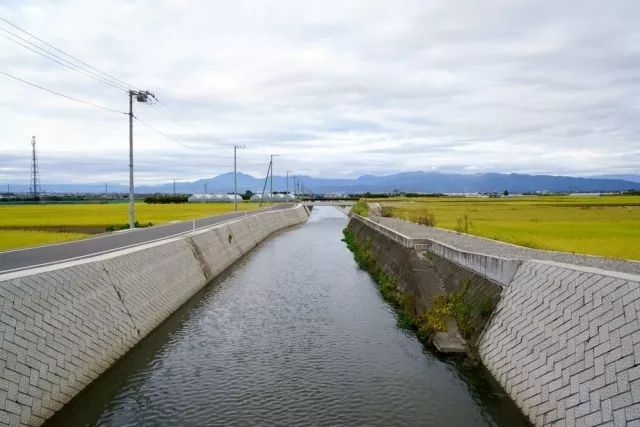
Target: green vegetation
<point>36,224</point>
<point>360,208</point>
<point>419,216</point>
<point>456,305</point>
<point>116,227</point>
<point>366,260</point>
<point>164,198</point>
<point>445,306</point>
<point>459,306</point>
<point>606,226</point>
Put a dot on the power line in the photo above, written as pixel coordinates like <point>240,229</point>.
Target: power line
<point>85,68</point>
<point>161,133</point>
<point>110,76</point>
<point>172,113</point>
<point>62,94</point>
<point>167,115</point>
<point>60,60</point>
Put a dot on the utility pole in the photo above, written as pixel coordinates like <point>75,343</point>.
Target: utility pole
<point>106,189</point>
<point>35,171</point>
<point>205,187</point>
<point>271,163</point>
<point>174,186</point>
<point>141,96</point>
<point>287,182</point>
<point>235,179</point>
<point>264,187</point>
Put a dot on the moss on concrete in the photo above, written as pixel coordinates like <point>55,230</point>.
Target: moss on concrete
<point>387,284</point>
<point>462,305</point>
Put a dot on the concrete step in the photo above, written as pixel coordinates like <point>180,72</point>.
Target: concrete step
<point>447,343</point>
<point>450,341</point>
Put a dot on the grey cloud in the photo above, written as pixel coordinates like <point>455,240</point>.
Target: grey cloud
<point>338,88</point>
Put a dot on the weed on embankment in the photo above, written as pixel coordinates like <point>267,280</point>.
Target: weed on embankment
<point>360,208</point>
<point>453,305</point>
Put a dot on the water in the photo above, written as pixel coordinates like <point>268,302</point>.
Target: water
<point>294,333</point>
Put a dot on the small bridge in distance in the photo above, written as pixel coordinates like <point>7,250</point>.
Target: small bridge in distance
<point>337,202</point>
<point>342,205</point>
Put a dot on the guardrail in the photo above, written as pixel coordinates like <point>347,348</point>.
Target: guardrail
<point>405,241</point>
<point>497,269</point>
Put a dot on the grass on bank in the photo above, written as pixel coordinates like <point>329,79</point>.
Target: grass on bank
<point>605,226</point>
<point>452,305</point>
<point>360,208</point>
<point>30,225</point>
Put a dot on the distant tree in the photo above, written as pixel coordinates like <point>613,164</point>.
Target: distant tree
<point>166,198</point>
<point>247,195</point>
<point>506,193</point>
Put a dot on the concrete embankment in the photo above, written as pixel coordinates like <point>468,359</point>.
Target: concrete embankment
<point>62,326</point>
<point>563,340</point>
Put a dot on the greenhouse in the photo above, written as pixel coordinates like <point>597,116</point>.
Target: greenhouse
<point>213,198</point>
<point>276,197</point>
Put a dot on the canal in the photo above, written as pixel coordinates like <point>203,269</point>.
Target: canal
<point>294,333</point>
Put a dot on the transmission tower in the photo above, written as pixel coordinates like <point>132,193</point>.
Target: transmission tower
<point>34,187</point>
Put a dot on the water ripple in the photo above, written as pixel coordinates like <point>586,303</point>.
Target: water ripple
<point>293,334</point>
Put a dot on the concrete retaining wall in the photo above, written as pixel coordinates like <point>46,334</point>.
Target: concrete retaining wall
<point>62,326</point>
<point>565,344</point>
<point>423,270</point>
<point>564,340</point>
<point>499,270</point>
<point>405,241</point>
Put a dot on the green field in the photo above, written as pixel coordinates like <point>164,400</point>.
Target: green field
<point>606,226</point>
<point>29,225</point>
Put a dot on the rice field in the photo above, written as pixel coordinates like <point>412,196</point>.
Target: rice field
<point>606,225</point>
<point>31,225</point>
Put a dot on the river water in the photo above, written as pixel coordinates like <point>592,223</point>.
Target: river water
<point>293,333</point>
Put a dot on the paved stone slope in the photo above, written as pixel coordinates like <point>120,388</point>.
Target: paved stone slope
<point>564,340</point>
<point>565,343</point>
<point>62,326</point>
<point>470,243</point>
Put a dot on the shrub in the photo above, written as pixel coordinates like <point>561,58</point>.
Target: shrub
<point>116,227</point>
<point>167,198</point>
<point>463,224</point>
<point>360,208</point>
<point>386,212</point>
<point>422,216</point>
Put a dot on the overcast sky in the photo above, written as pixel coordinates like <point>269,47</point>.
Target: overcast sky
<point>336,88</point>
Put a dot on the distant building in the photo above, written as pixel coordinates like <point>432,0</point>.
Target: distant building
<point>213,198</point>
<point>275,197</point>
<point>587,194</point>
<point>336,196</point>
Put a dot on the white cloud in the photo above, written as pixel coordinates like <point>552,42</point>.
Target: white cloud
<point>337,88</point>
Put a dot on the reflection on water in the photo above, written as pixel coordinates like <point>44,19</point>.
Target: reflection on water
<point>294,333</point>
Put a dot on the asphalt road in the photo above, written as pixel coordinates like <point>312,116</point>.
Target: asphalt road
<point>20,259</point>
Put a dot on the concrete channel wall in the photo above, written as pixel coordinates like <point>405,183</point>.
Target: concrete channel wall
<point>62,326</point>
<point>565,344</point>
<point>563,341</point>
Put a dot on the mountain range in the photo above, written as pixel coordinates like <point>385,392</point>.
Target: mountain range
<point>424,182</point>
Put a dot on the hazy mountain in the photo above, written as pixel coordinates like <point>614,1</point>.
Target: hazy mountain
<point>626,177</point>
<point>431,182</point>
